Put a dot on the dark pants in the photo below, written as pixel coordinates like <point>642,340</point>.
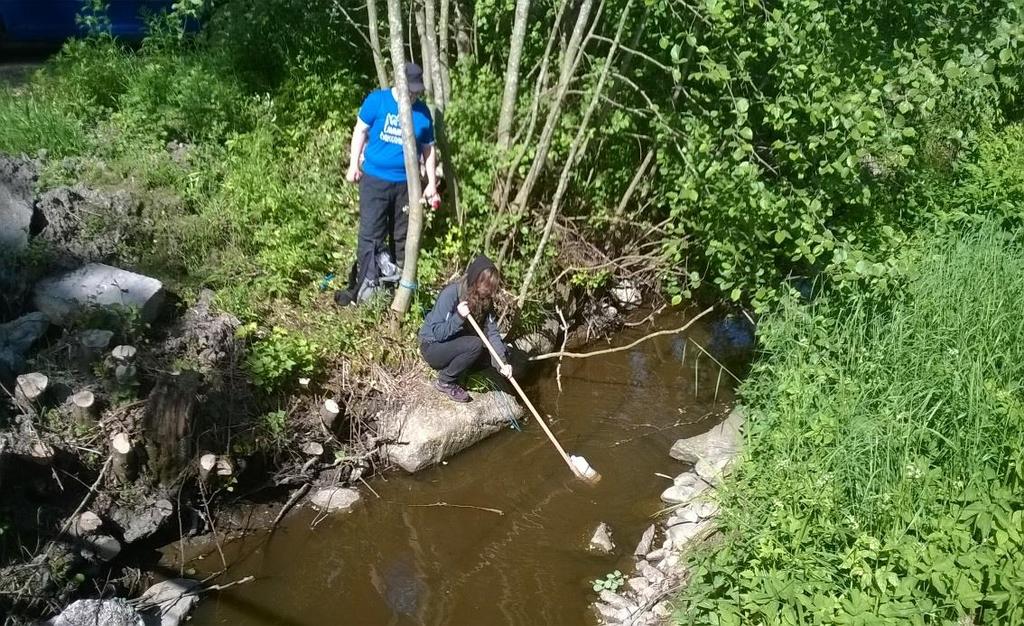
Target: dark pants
<point>454,357</point>
<point>383,210</point>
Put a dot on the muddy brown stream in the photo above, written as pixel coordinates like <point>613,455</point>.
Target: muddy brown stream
<point>410,557</point>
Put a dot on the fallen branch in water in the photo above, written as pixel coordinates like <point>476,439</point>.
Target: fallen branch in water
<point>717,362</point>
<point>301,491</point>
<point>460,506</point>
<point>581,355</point>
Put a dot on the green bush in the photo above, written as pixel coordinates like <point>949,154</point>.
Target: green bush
<point>883,475</point>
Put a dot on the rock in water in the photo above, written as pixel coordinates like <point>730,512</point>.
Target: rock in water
<point>602,539</point>
<point>644,546</point>
<point>431,428</point>
<point>112,612</point>
<point>722,439</point>
<point>17,196</point>
<point>59,297</point>
<point>168,603</point>
<point>334,499</point>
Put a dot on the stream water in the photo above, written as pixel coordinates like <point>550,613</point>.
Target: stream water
<point>422,553</point>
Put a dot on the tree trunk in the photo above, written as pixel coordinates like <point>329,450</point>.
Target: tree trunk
<point>167,425</point>
<point>440,90</point>
<point>501,192</point>
<point>442,58</point>
<point>428,78</point>
<point>463,43</point>
<point>378,58</point>
<point>554,113</point>
<point>508,96</point>
<point>403,295</point>
<point>574,152</point>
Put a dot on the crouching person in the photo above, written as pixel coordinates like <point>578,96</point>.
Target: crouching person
<point>448,343</point>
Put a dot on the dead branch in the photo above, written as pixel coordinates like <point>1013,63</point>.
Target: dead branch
<point>583,355</point>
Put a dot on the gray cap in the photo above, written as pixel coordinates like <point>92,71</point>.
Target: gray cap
<point>414,77</point>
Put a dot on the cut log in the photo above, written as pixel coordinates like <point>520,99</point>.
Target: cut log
<point>61,297</point>
<point>312,448</point>
<point>85,408</point>
<point>329,412</point>
<point>30,389</point>
<point>123,354</point>
<point>123,463</point>
<point>304,383</point>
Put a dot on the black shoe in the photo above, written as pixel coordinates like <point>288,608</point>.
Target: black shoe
<point>343,297</point>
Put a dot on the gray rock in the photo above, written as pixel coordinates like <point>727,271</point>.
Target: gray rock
<point>724,438</point>
<point>711,468</point>
<point>601,541</point>
<point>627,294</point>
<point>616,600</point>
<point>662,610</point>
<point>59,297</point>
<point>609,614</point>
<point>656,555</point>
<point>638,584</point>
<point>168,603</point>
<point>644,546</point>
<point>431,428</point>
<point>334,499</point>
<point>681,535</point>
<point>707,510</point>
<point>103,547</point>
<point>16,338</point>
<point>85,524</point>
<point>84,225</point>
<point>651,573</point>
<point>17,196</point>
<point>680,494</point>
<point>143,522</point>
<point>112,612</point>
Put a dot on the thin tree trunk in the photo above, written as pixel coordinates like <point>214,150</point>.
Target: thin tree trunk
<point>442,37</point>
<point>570,60</point>
<point>403,295</point>
<point>500,196</point>
<point>515,54</point>
<point>463,45</point>
<point>574,151</point>
<point>378,58</point>
<point>428,78</point>
<point>434,65</point>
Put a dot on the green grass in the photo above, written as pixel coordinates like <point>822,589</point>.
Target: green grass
<point>29,123</point>
<point>882,480</point>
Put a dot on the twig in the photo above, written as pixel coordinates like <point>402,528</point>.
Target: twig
<point>301,491</point>
<point>646,319</point>
<point>565,338</point>
<point>88,496</point>
<point>581,355</point>
<point>459,506</point>
<point>372,490</point>
<point>717,362</point>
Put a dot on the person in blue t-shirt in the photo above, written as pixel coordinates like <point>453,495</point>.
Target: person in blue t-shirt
<point>383,188</point>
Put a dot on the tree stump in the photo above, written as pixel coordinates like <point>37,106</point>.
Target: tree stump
<point>124,354</point>
<point>123,464</point>
<point>329,412</point>
<point>30,391</point>
<point>167,425</point>
<point>91,346</point>
<point>85,408</point>
<point>312,448</point>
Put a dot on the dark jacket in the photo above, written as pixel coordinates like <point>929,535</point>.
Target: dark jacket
<point>443,322</point>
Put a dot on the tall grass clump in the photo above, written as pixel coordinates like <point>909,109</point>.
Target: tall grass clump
<point>882,480</point>
<point>29,123</point>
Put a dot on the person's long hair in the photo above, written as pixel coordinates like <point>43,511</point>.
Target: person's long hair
<point>482,292</point>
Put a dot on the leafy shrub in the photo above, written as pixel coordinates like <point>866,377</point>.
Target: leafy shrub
<point>279,358</point>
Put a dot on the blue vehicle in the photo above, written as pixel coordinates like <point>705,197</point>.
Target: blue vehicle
<point>51,22</point>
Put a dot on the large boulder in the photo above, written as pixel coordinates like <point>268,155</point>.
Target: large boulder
<point>722,441</point>
<point>17,195</point>
<point>142,522</point>
<point>85,225</point>
<point>15,340</point>
<point>112,612</point>
<point>431,428</point>
<point>95,284</point>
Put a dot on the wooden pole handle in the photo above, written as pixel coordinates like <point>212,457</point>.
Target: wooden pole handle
<point>522,394</point>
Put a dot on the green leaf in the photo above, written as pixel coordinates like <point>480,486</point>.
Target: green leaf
<point>742,105</point>
<point>736,294</point>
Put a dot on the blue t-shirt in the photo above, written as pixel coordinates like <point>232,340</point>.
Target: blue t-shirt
<point>383,154</point>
